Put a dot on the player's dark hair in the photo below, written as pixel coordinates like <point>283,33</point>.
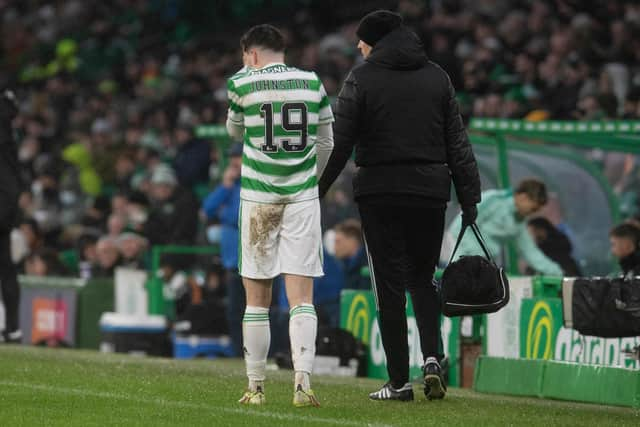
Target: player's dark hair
<point>626,231</point>
<point>350,228</point>
<point>534,189</point>
<point>265,36</point>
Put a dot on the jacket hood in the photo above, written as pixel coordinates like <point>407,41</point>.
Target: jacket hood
<point>401,49</point>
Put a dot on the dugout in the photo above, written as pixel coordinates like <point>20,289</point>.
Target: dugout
<point>589,169</point>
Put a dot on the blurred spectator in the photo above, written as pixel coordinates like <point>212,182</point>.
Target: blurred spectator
<point>132,249</point>
<point>103,145</point>
<point>116,225</point>
<point>87,254</point>
<point>47,207</point>
<point>204,313</point>
<point>625,247</point>
<point>223,205</point>
<point>172,217</point>
<point>108,257</point>
<point>44,262</point>
<point>554,212</point>
<point>351,253</point>
<point>174,210</point>
<point>501,218</point>
<point>326,291</point>
<point>554,244</point>
<point>136,210</point>
<point>177,286</point>
<point>125,169</point>
<point>96,215</point>
<point>213,287</point>
<point>82,178</point>
<point>192,158</point>
<point>31,240</point>
<point>119,204</point>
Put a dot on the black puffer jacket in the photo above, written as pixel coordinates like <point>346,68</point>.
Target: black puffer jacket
<point>400,112</point>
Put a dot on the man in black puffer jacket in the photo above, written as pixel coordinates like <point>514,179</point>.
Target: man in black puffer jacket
<point>10,185</point>
<point>399,111</point>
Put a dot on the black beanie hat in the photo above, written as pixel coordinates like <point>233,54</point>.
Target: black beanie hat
<point>375,25</point>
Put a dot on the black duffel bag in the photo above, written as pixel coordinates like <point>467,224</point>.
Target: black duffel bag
<point>473,284</point>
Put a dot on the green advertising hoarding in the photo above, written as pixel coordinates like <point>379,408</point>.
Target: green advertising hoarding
<point>540,321</point>
<point>543,336</point>
<point>533,354</point>
<point>358,315</point>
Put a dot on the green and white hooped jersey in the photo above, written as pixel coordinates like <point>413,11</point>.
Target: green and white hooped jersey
<point>280,108</point>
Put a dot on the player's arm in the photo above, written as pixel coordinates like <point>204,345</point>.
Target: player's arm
<point>346,132</point>
<point>324,146</point>
<point>324,139</point>
<point>235,114</point>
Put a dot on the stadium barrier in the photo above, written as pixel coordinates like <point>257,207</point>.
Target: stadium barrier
<point>558,380</point>
<point>528,352</point>
<point>63,311</point>
<point>531,327</point>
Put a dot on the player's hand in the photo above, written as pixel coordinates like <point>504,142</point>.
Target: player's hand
<point>230,176</point>
<point>469,215</point>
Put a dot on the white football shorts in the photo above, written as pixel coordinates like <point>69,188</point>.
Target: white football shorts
<point>280,239</point>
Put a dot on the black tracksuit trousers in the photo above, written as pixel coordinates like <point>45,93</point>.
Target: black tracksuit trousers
<point>403,236</point>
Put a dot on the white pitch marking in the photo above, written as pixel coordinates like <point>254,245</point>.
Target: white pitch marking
<point>183,404</point>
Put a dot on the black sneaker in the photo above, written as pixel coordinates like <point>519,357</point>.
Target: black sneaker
<point>434,385</point>
<point>387,392</point>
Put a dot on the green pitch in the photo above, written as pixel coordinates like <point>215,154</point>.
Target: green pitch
<point>79,388</point>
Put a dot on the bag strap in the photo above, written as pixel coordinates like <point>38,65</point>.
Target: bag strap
<point>483,243</point>
<point>476,232</point>
<point>460,235</point>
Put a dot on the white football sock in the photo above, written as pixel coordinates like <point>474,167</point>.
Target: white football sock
<point>256,336</point>
<point>303,328</point>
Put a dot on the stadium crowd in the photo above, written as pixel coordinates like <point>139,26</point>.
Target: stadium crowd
<point>111,94</point>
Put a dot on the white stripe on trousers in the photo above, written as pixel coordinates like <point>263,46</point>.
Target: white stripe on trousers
<point>372,272</point>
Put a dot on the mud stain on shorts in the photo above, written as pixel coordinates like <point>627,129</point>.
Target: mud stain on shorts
<point>262,221</point>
